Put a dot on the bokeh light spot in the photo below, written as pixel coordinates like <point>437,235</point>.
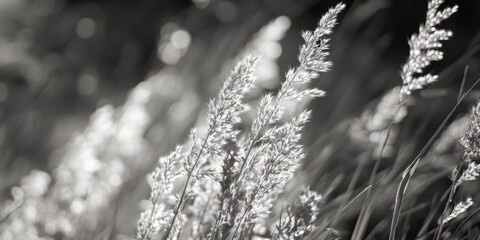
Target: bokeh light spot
<point>169,54</point>
<point>86,28</point>
<point>168,28</point>
<point>180,39</point>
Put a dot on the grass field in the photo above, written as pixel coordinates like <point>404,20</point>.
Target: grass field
<point>211,119</point>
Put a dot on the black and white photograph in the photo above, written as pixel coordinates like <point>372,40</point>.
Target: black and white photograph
<point>239,119</point>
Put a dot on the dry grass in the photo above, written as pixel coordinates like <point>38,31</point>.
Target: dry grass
<point>255,164</point>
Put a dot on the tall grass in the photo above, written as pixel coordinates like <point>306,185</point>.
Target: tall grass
<point>245,170</point>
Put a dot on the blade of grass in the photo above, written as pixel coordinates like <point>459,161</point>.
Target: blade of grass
<point>342,210</point>
<point>406,176</point>
<point>462,86</point>
<point>411,168</point>
<point>350,189</point>
<point>366,210</point>
<point>433,209</point>
<point>465,221</point>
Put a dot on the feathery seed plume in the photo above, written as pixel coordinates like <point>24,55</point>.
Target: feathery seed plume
<point>198,161</point>
<point>460,208</point>
<point>424,48</point>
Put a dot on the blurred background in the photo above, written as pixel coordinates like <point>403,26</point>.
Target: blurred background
<point>125,80</point>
